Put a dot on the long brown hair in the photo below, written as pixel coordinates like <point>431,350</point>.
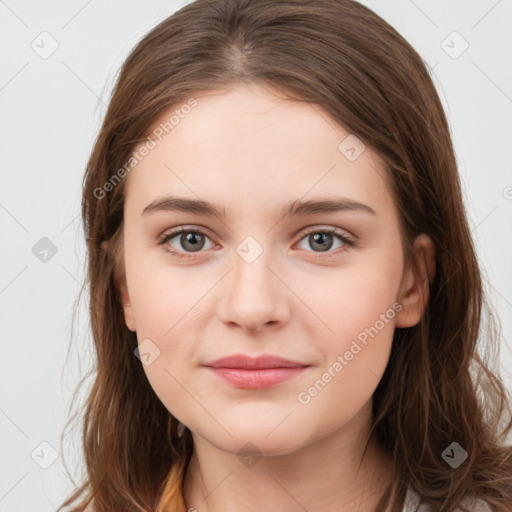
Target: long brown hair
<point>438,387</point>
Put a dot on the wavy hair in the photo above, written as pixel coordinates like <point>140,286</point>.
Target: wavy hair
<point>440,385</point>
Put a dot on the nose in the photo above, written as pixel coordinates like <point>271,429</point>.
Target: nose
<point>253,296</point>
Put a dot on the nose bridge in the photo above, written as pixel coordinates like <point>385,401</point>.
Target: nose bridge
<point>253,294</point>
<point>251,272</point>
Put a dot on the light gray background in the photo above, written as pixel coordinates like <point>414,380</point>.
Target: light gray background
<point>51,109</point>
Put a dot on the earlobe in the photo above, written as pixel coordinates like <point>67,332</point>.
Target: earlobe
<point>125,303</point>
<point>414,289</point>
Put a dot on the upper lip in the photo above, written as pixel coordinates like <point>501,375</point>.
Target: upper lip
<point>258,363</point>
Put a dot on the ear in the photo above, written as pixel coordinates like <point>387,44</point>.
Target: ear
<point>414,287</point>
<point>122,287</point>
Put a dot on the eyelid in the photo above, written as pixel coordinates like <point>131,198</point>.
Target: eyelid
<point>327,229</point>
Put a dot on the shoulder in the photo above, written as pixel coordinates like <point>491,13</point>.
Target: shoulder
<point>473,505</point>
<point>476,505</point>
<point>411,503</point>
<point>507,441</point>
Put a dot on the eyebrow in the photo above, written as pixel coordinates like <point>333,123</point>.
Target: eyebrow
<point>295,208</point>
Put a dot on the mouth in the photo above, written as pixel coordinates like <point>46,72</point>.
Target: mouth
<point>255,373</point>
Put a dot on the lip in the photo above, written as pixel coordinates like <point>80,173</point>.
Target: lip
<point>265,362</point>
<point>255,373</point>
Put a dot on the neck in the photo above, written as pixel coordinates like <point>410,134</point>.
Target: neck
<point>330,475</point>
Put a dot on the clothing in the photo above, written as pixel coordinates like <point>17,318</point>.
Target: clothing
<point>412,500</point>
<point>410,505</point>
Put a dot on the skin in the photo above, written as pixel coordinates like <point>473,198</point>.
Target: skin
<point>250,151</point>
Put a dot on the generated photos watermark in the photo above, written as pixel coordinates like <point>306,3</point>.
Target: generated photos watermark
<point>145,148</point>
<point>357,345</point>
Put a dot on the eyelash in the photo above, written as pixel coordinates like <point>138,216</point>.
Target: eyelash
<point>330,254</point>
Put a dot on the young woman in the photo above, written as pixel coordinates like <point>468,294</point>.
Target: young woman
<point>285,298</point>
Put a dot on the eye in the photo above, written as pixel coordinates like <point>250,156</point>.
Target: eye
<point>324,239</point>
<point>188,241</point>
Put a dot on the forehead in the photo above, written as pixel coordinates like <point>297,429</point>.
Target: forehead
<point>249,143</point>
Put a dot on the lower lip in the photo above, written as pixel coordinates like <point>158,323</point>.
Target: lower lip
<point>257,379</point>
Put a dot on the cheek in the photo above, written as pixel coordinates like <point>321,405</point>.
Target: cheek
<point>165,298</point>
<point>165,322</point>
<point>354,361</point>
<point>352,300</point>
<point>359,308</point>
<point>167,317</point>
<point>165,305</point>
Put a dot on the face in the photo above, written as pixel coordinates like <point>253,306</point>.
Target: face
<point>267,274</point>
